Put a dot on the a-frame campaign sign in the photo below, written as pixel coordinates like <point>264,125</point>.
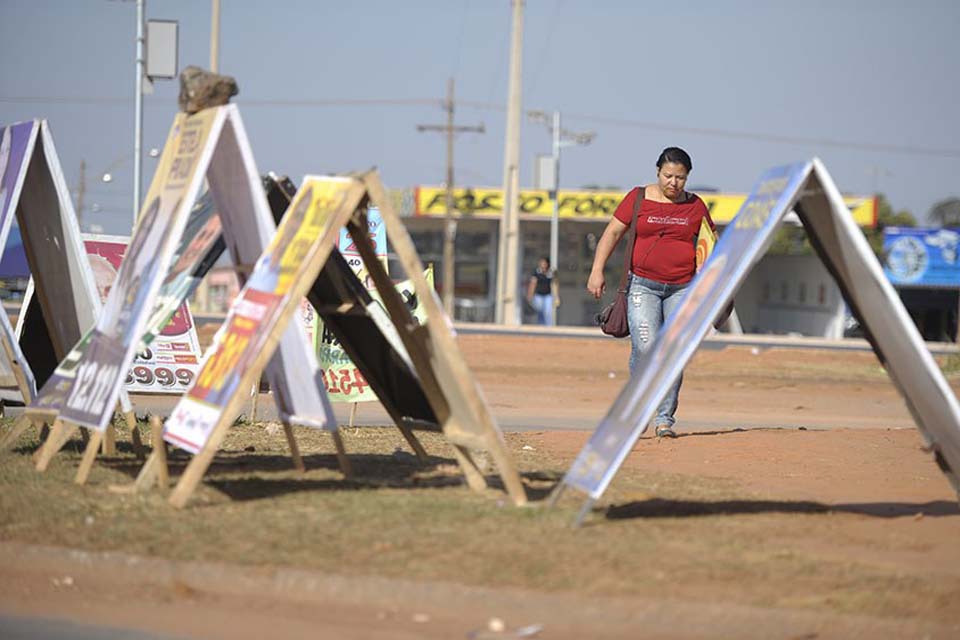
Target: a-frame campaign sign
<point>283,275</point>
<point>809,190</point>
<point>202,234</point>
<point>33,190</point>
<point>365,332</point>
<point>210,145</point>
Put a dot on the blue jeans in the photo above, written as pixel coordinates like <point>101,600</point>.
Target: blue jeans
<point>649,304</point>
<point>543,304</point>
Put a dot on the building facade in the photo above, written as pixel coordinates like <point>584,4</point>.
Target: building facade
<point>800,296</point>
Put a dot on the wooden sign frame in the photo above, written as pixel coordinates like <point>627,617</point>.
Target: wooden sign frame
<point>461,412</point>
<point>63,280</point>
<point>226,162</point>
<point>809,190</point>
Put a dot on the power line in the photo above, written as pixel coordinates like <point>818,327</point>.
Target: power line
<point>306,102</point>
<point>741,135</point>
<point>460,39</point>
<point>944,152</point>
<point>546,47</point>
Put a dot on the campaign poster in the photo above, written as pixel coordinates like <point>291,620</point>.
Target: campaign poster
<point>14,141</point>
<point>254,316</point>
<point>169,362</point>
<point>89,397</point>
<point>343,380</point>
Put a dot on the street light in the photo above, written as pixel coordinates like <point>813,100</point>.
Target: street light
<point>561,138</point>
<point>107,176</point>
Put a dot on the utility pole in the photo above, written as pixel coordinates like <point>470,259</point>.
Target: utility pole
<point>508,312</point>
<point>450,223</point>
<point>138,114</point>
<point>215,36</point>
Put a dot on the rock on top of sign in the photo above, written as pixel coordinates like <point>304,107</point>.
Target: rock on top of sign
<point>200,89</point>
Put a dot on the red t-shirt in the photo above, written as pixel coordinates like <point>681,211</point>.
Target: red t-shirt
<point>665,250</point>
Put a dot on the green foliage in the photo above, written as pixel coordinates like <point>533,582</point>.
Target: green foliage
<point>887,217</point>
<point>951,366</point>
<point>946,213</point>
<point>790,241</point>
<point>793,241</point>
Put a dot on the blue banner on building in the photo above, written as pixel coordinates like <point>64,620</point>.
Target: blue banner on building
<point>921,257</point>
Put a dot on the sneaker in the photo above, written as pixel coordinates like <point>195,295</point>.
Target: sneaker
<point>665,431</point>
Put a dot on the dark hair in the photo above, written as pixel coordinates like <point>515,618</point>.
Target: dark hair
<point>675,154</point>
<point>545,259</point>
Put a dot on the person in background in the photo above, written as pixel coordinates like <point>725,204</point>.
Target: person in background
<point>663,260</point>
<point>540,292</point>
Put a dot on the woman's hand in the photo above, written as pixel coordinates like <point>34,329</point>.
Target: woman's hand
<point>596,284</point>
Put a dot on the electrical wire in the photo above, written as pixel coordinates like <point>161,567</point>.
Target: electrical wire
<point>945,152</point>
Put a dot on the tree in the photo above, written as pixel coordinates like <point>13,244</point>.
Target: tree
<point>946,213</point>
<point>887,217</point>
<point>793,241</point>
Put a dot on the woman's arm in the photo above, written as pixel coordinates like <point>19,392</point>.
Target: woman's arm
<point>596,284</point>
<point>531,288</point>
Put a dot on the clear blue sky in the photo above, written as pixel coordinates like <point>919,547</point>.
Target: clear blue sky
<point>872,87</point>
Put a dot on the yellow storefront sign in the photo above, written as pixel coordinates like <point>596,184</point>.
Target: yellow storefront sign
<point>591,205</point>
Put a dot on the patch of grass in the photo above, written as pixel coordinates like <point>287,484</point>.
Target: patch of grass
<point>664,535</point>
<point>951,365</point>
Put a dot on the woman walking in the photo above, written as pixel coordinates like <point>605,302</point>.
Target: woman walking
<point>662,263</point>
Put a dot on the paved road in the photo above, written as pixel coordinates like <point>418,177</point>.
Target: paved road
<point>715,341</point>
<point>30,628</point>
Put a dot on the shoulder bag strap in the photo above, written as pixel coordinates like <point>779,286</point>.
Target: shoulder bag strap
<point>628,254</point>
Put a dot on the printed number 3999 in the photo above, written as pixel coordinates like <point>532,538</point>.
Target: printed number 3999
<point>161,375</point>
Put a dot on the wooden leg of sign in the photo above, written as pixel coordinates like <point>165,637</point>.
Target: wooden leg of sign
<point>198,466</point>
<point>135,440</point>
<point>89,456</point>
<point>44,431</point>
<point>508,472</point>
<point>345,467</point>
<point>16,430</point>
<point>414,443</point>
<point>159,453</point>
<point>144,480</point>
<point>294,449</point>
<point>471,472</point>
<point>60,433</point>
<point>109,441</point>
<point>43,437</point>
<point>255,401</point>
<point>353,413</point>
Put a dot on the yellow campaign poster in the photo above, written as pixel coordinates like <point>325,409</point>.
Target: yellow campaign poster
<point>592,205</point>
<point>706,239</point>
<point>256,313</point>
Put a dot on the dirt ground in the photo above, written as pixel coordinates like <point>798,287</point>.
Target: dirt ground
<point>797,503</point>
